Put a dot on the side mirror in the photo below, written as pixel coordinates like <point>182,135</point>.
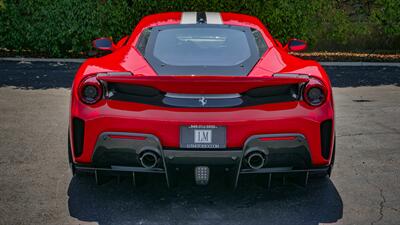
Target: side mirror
<point>103,44</point>
<point>296,45</point>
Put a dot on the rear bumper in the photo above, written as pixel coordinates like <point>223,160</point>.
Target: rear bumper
<point>164,123</point>
<point>121,151</point>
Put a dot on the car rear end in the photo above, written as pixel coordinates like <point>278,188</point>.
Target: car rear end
<point>244,125</point>
<point>203,110</point>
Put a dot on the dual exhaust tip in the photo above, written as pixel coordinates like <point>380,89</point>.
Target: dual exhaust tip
<point>255,160</point>
<point>149,159</point>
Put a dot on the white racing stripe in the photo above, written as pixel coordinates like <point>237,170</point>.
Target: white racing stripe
<point>213,18</point>
<point>188,18</point>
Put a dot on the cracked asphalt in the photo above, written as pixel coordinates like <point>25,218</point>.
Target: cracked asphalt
<point>36,186</point>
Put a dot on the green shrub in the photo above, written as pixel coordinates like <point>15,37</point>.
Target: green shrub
<point>66,27</point>
<point>61,26</point>
<point>386,16</point>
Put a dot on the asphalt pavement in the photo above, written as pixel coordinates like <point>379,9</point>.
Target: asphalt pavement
<point>36,186</point>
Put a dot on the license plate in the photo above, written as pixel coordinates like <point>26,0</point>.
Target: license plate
<point>202,136</point>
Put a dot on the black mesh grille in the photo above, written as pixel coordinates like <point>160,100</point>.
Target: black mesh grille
<point>271,94</point>
<point>78,129</point>
<point>326,137</point>
<point>152,96</point>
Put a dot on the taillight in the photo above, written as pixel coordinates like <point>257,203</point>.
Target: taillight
<point>315,93</point>
<point>90,90</point>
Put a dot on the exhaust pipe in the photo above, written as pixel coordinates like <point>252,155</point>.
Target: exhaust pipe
<point>149,159</point>
<point>255,160</point>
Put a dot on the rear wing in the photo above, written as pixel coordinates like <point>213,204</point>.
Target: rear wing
<point>202,84</point>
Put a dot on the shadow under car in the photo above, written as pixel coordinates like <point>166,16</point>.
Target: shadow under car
<point>154,203</point>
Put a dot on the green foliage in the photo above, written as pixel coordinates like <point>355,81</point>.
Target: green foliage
<point>61,26</point>
<point>67,27</point>
<point>2,6</point>
<point>387,17</point>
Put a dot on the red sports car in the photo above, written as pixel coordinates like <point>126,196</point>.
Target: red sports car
<point>205,92</point>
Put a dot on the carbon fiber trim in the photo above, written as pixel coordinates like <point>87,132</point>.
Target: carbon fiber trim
<point>136,143</point>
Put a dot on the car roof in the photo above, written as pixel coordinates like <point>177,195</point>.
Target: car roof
<point>185,17</point>
<point>226,18</point>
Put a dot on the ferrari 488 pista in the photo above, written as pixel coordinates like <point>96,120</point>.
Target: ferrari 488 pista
<point>210,93</point>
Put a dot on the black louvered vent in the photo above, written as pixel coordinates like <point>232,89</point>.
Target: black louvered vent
<point>78,129</point>
<point>326,137</point>
<point>152,96</point>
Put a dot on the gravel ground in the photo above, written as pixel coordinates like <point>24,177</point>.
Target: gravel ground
<point>36,186</point>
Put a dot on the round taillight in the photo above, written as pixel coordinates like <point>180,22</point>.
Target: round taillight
<point>90,90</point>
<point>315,93</point>
<point>315,96</point>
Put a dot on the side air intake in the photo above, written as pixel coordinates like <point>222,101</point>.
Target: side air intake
<point>326,138</point>
<point>78,130</point>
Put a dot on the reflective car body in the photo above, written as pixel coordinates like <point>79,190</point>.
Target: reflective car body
<point>143,106</point>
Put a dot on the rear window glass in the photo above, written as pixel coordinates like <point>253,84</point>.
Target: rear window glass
<point>143,39</point>
<point>261,45</point>
<point>201,47</point>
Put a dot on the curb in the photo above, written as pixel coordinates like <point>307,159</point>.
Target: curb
<point>395,64</point>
